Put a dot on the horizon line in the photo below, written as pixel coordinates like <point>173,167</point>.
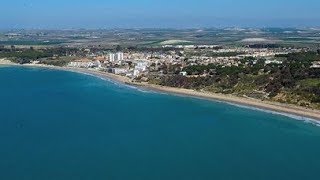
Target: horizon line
<point>167,28</point>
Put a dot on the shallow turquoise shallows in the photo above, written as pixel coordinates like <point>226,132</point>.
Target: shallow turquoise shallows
<point>57,125</point>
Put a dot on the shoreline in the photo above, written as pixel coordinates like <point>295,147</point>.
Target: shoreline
<point>275,107</point>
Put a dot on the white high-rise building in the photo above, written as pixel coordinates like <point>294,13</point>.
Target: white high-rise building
<point>112,57</point>
<point>119,56</point>
<point>116,57</point>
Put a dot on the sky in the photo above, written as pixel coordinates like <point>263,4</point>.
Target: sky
<point>63,14</point>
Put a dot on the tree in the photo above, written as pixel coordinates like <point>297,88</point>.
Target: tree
<point>118,48</point>
<point>2,48</point>
<point>13,48</point>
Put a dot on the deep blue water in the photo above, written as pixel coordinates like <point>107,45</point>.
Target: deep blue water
<point>62,126</point>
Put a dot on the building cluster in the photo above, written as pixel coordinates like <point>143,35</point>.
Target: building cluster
<point>115,57</point>
<point>118,63</point>
<point>139,63</point>
<point>85,63</point>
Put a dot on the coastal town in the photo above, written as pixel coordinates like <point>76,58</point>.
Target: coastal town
<point>255,69</point>
<point>135,63</point>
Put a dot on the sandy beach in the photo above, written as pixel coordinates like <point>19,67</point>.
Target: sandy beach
<point>4,62</point>
<point>266,105</point>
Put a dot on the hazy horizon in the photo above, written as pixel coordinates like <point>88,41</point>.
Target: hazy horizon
<point>99,14</point>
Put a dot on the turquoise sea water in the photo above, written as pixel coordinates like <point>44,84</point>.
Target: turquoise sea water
<point>57,125</point>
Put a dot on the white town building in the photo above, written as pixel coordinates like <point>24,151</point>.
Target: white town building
<point>119,56</point>
<point>112,57</point>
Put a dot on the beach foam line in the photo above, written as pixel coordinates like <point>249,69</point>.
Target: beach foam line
<point>292,116</point>
<point>97,76</point>
<point>115,82</point>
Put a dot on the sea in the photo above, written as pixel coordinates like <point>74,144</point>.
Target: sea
<point>60,125</point>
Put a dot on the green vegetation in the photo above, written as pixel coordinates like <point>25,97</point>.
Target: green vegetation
<point>30,43</point>
<point>294,81</point>
<point>55,62</point>
<point>60,61</point>
<point>310,83</point>
<point>26,54</point>
<point>213,69</point>
<point>52,56</point>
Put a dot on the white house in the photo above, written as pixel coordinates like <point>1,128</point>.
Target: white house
<point>136,72</point>
<point>316,64</point>
<point>96,64</point>
<point>119,71</point>
<point>183,73</point>
<point>141,66</point>
<point>273,62</point>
